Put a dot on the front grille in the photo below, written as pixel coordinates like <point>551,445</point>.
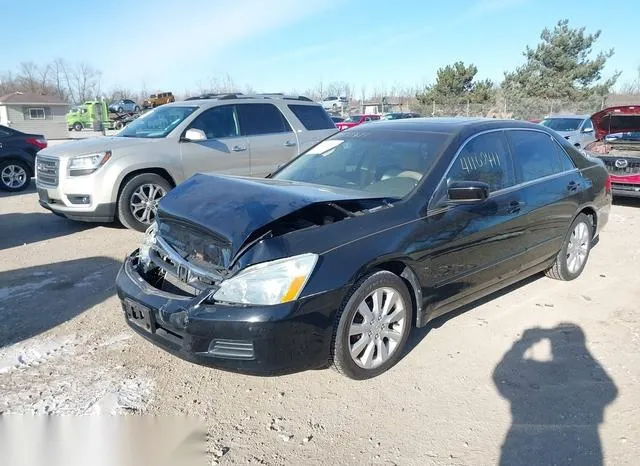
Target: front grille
<point>47,170</point>
<point>630,166</point>
<point>232,349</point>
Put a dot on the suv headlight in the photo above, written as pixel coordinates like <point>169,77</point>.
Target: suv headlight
<point>279,281</point>
<point>87,164</point>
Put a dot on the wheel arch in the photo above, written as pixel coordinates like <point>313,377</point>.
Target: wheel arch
<point>590,212</point>
<point>410,279</point>
<point>24,157</point>
<point>139,171</point>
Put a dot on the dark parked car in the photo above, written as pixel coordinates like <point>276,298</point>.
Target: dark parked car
<point>337,255</point>
<point>17,157</point>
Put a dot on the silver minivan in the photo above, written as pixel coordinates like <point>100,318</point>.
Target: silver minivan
<point>123,177</point>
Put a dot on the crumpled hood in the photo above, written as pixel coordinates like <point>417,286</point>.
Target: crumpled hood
<point>91,145</point>
<point>614,120</point>
<point>232,208</point>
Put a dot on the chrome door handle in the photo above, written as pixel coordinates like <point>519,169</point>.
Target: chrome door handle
<point>238,148</point>
<point>290,144</point>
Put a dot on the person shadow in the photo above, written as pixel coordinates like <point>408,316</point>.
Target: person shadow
<point>557,397</point>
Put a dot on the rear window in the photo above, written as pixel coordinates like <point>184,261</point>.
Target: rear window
<point>312,117</point>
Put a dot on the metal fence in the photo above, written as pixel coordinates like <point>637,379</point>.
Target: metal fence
<point>504,107</point>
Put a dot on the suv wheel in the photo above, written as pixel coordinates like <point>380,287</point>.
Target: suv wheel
<point>372,326</point>
<point>138,201</point>
<point>14,175</point>
<point>573,256</point>
<point>77,126</point>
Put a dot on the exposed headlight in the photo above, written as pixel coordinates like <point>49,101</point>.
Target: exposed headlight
<point>147,243</point>
<point>279,281</point>
<point>87,164</point>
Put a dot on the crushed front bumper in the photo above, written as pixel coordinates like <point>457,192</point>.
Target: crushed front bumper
<point>261,340</point>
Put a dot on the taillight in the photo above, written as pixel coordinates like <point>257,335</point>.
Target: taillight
<point>39,143</point>
<point>607,185</point>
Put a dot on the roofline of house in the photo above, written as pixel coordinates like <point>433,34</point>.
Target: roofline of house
<point>8,102</point>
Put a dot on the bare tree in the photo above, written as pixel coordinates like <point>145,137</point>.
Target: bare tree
<point>28,76</point>
<point>632,87</point>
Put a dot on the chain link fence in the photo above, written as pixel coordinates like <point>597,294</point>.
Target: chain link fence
<point>524,108</point>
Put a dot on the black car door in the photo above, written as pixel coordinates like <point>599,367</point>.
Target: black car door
<point>471,247</point>
<point>551,187</point>
<point>5,139</point>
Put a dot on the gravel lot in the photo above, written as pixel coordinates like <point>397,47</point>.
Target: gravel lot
<point>486,384</point>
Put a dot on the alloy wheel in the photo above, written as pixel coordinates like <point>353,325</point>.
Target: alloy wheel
<point>377,327</point>
<point>144,202</point>
<point>13,176</point>
<point>578,247</point>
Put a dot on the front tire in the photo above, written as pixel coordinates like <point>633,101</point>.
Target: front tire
<point>372,327</point>
<point>14,175</point>
<point>573,256</point>
<point>138,200</point>
<point>77,126</point>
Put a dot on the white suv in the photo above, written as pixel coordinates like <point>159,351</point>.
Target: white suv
<point>334,103</point>
<point>107,178</point>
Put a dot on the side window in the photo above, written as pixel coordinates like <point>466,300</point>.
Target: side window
<point>484,158</point>
<point>256,119</point>
<point>565,161</point>
<point>312,117</point>
<point>588,125</point>
<point>535,153</point>
<point>217,122</point>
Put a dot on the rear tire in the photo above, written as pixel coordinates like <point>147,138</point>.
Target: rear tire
<point>15,175</point>
<point>133,210</point>
<point>372,326</point>
<point>573,256</point>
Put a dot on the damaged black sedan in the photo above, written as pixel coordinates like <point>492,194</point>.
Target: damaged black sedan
<point>337,255</point>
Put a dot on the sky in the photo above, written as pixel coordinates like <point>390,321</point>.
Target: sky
<point>293,45</point>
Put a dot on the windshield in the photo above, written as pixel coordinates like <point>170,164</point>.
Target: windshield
<point>562,124</point>
<point>157,123</point>
<point>353,119</point>
<point>388,163</point>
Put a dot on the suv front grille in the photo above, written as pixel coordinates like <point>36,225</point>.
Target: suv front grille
<point>47,170</point>
<point>622,166</point>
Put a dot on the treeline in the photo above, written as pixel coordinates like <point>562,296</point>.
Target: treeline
<point>561,71</point>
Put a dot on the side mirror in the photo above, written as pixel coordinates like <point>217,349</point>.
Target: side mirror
<point>194,135</point>
<point>587,130</point>
<point>467,192</point>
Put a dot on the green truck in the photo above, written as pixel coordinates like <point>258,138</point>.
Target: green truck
<point>94,114</point>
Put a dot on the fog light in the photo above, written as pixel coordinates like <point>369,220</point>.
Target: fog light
<point>80,199</point>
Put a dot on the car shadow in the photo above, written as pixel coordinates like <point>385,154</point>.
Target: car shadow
<point>17,229</point>
<point>557,397</point>
<point>627,201</point>
<point>418,334</point>
<point>36,299</point>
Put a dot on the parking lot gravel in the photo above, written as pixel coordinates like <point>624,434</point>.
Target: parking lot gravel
<point>545,364</point>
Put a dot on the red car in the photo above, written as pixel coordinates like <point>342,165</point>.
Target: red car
<point>617,130</point>
<point>355,120</point>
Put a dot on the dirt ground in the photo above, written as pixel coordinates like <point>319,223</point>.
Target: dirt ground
<point>545,364</point>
